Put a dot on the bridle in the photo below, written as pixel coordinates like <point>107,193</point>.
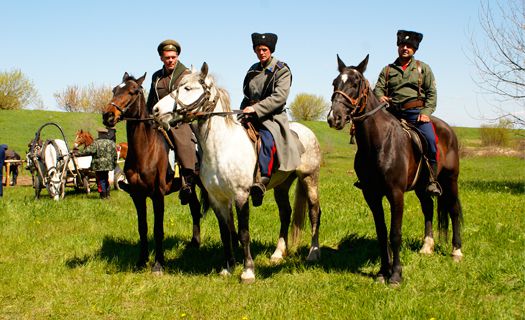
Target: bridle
<point>357,105</point>
<point>202,108</point>
<point>124,109</point>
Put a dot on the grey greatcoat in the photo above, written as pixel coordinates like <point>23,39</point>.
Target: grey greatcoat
<point>266,90</point>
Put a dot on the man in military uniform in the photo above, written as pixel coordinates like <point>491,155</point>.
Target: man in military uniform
<point>409,87</point>
<point>104,159</point>
<point>3,148</point>
<point>163,82</point>
<point>266,88</point>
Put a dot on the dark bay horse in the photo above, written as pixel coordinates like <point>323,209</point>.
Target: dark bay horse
<point>146,166</point>
<point>387,165</point>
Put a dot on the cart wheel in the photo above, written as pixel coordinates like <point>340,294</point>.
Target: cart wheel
<point>85,183</point>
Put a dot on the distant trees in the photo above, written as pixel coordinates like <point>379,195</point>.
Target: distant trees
<point>17,91</point>
<point>84,99</point>
<point>308,107</point>
<point>500,56</point>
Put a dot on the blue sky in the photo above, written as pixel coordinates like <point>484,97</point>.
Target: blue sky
<point>61,43</point>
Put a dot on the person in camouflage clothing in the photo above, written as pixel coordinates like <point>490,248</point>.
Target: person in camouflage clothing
<point>104,153</point>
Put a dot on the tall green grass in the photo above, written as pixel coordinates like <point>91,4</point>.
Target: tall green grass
<point>74,259</point>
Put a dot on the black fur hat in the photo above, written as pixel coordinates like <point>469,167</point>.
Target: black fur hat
<point>409,37</point>
<point>265,39</point>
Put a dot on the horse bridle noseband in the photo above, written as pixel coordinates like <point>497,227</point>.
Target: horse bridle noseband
<point>357,105</point>
<point>124,109</point>
<point>203,102</point>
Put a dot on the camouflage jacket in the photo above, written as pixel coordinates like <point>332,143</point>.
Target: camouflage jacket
<point>104,153</point>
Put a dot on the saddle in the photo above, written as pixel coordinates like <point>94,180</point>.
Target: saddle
<point>420,145</point>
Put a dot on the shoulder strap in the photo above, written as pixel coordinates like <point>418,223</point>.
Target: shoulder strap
<point>419,79</point>
<point>387,75</point>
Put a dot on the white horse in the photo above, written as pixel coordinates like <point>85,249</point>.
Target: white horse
<point>55,158</point>
<point>228,164</point>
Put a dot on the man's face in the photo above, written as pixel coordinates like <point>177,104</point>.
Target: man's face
<point>169,58</point>
<point>263,53</point>
<point>405,51</point>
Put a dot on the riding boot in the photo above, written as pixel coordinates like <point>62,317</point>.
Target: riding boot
<point>433,186</point>
<point>102,195</point>
<point>258,189</point>
<point>186,190</point>
<point>107,194</point>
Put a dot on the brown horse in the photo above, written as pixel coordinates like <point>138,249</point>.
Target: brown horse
<point>146,166</point>
<point>387,165</point>
<point>85,138</point>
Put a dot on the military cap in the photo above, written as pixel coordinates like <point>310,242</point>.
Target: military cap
<point>409,37</point>
<point>264,39</point>
<point>168,45</point>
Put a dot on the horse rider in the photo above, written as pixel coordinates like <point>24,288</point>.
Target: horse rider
<point>3,148</point>
<point>163,82</point>
<point>409,87</point>
<point>266,87</point>
<point>104,159</point>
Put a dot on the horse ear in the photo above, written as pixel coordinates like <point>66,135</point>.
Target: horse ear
<point>141,79</point>
<point>340,64</point>
<point>125,77</point>
<point>204,70</point>
<point>362,66</point>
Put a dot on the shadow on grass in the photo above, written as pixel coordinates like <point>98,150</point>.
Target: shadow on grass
<point>351,255</point>
<point>512,187</point>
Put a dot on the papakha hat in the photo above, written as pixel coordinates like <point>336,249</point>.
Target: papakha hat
<point>264,39</point>
<point>168,45</point>
<point>409,37</point>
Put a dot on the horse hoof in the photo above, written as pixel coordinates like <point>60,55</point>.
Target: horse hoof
<point>457,256</point>
<point>428,246</point>
<point>395,280</point>
<point>194,243</point>
<point>277,256</point>
<point>157,269</point>
<point>225,273</point>
<point>314,254</point>
<point>248,276</point>
<point>380,278</point>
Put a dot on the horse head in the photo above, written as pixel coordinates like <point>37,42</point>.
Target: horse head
<point>83,138</point>
<point>195,95</point>
<point>350,94</point>
<point>124,101</point>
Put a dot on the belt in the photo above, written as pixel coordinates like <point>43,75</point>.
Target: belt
<point>413,104</point>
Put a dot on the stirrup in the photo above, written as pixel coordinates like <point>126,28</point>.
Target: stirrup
<point>434,188</point>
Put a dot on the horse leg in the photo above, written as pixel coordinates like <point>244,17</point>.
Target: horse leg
<point>374,202</point>
<point>311,191</point>
<point>448,203</point>
<point>158,233</point>
<point>427,206</point>
<point>243,214</point>
<point>140,205</point>
<point>195,209</point>
<point>396,209</point>
<point>285,212</point>
<point>226,237</point>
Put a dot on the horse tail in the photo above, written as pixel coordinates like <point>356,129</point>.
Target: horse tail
<point>448,205</point>
<point>299,211</point>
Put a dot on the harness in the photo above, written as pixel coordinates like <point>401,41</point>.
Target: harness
<point>418,103</point>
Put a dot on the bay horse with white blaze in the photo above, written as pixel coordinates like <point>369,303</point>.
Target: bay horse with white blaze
<point>146,166</point>
<point>388,165</point>
<point>228,164</point>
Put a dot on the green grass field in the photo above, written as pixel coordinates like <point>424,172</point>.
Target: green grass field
<point>74,259</point>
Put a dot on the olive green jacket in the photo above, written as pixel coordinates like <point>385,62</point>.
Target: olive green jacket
<point>268,97</point>
<point>104,154</point>
<point>403,86</point>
